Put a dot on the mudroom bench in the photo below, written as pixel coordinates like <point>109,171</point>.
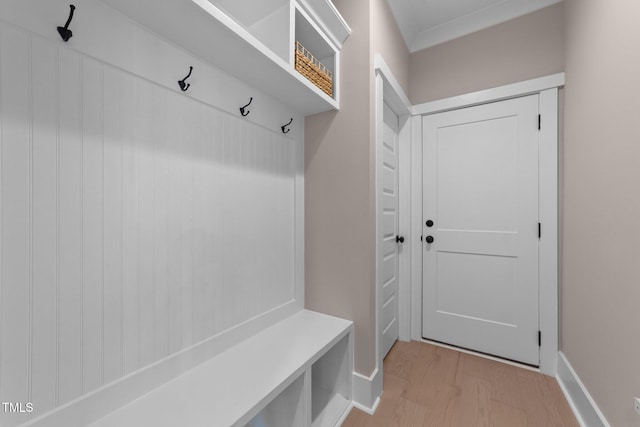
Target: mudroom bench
<point>294,373</point>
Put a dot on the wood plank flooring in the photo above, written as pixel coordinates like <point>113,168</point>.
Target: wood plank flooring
<point>427,385</point>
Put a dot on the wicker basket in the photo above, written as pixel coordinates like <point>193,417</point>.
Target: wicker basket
<point>313,70</point>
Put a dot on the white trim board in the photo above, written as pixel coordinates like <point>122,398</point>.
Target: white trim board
<point>499,93</point>
<point>367,391</point>
<point>389,91</point>
<point>584,407</point>
<point>547,88</point>
<point>416,228</point>
<point>393,93</point>
<point>548,242</point>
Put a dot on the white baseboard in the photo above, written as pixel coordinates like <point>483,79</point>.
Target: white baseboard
<point>344,415</point>
<point>584,407</point>
<point>367,391</point>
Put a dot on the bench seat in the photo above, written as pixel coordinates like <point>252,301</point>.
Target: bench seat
<point>231,388</point>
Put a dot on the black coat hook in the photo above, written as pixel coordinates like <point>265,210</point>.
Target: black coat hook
<point>242,111</point>
<point>184,86</point>
<point>284,126</point>
<point>65,32</point>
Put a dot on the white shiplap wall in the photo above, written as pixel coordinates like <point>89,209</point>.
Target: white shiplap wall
<point>134,222</point>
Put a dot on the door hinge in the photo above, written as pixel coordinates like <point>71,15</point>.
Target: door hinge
<point>539,230</point>
<point>539,338</point>
<point>539,121</point>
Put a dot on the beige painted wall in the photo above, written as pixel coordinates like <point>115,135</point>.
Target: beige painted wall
<point>340,179</point>
<point>600,201</point>
<point>339,223</point>
<point>601,268</point>
<point>524,48</point>
<point>387,40</point>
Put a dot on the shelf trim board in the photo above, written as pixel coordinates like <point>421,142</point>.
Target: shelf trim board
<point>328,17</point>
<point>305,15</point>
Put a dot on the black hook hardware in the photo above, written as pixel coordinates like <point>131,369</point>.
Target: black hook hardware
<point>184,86</point>
<point>284,126</point>
<point>242,108</point>
<point>65,32</point>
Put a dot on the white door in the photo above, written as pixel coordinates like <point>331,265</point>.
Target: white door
<point>390,239</point>
<point>480,270</point>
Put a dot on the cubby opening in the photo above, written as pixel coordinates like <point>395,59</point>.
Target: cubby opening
<point>311,38</point>
<point>287,409</point>
<point>266,20</point>
<point>330,387</point>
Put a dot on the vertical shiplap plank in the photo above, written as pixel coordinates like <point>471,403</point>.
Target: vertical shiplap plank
<point>200,316</point>
<point>230,205</point>
<point>174,226</point>
<point>208,181</point>
<point>248,295</point>
<point>112,216</point>
<point>161,205</point>
<point>282,189</point>
<point>215,220</point>
<point>288,224</point>
<point>255,283</point>
<point>275,181</point>
<point>268,178</point>
<point>15,216</point>
<point>146,304</point>
<point>130,228</point>
<point>44,355</point>
<point>92,225</point>
<point>188,136</point>
<point>278,178</point>
<point>70,226</point>
<point>260,184</point>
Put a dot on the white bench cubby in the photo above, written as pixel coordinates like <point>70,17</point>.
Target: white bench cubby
<point>294,373</point>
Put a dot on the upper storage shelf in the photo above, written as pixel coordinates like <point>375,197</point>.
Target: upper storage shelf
<point>253,40</point>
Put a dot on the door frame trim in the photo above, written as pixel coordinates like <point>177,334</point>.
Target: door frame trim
<point>389,91</point>
<point>500,93</point>
<point>547,89</point>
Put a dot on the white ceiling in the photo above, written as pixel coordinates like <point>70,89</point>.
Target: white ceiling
<point>426,23</point>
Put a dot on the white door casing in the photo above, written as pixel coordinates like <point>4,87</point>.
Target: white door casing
<point>390,245</point>
<point>548,88</point>
<point>481,192</point>
<point>388,91</point>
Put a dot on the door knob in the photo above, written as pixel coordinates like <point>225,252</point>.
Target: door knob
<point>429,239</point>
<point>400,239</point>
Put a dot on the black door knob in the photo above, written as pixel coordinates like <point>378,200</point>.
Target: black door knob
<point>429,239</point>
<point>400,239</point>
<point>429,223</point>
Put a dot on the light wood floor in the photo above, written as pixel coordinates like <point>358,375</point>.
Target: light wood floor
<point>427,385</point>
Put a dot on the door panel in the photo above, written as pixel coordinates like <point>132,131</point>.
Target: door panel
<point>389,319</point>
<point>489,186</point>
<point>480,287</point>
